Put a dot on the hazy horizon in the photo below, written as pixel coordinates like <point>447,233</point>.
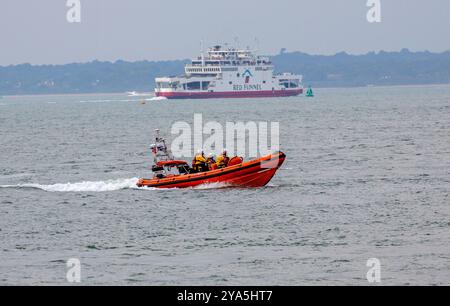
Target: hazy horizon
<point>188,58</point>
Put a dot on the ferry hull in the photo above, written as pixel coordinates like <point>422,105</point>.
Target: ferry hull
<point>254,173</point>
<point>230,94</point>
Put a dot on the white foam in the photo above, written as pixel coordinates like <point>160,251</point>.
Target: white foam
<point>212,185</point>
<point>110,100</point>
<point>138,94</point>
<point>157,99</point>
<point>87,186</point>
<point>103,186</point>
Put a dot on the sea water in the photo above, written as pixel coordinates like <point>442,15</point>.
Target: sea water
<point>367,175</point>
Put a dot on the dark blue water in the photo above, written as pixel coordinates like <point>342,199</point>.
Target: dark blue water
<point>367,175</point>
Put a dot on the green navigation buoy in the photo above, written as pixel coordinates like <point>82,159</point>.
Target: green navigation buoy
<point>309,92</point>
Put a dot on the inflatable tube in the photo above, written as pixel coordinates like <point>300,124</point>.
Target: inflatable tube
<point>235,161</point>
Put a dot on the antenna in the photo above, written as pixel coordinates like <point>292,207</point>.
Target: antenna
<point>157,134</point>
<point>201,52</point>
<point>257,44</point>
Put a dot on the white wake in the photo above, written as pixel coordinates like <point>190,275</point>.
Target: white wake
<point>216,185</point>
<point>103,186</point>
<point>109,100</point>
<point>157,99</point>
<point>87,186</point>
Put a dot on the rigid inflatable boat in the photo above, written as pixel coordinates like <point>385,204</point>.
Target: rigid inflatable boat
<point>171,173</point>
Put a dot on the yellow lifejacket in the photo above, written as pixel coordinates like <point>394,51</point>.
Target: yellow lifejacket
<point>199,159</point>
<point>221,161</point>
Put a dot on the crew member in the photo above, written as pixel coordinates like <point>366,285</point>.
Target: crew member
<point>210,161</point>
<point>199,162</point>
<point>222,159</point>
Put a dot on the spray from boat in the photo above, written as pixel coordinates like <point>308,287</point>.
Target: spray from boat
<point>101,186</point>
<point>139,94</point>
<point>85,186</point>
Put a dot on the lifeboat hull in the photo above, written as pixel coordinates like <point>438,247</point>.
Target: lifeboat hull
<point>254,173</point>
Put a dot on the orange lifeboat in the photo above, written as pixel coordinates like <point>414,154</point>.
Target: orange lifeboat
<point>253,173</point>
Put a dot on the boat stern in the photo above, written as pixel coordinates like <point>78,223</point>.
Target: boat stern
<point>140,182</point>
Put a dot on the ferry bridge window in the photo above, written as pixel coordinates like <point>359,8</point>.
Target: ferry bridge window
<point>193,85</point>
<point>163,85</point>
<point>205,85</point>
<point>288,84</point>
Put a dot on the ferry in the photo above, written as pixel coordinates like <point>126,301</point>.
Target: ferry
<point>229,73</point>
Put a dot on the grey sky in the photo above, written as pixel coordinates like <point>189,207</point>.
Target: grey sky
<point>37,31</point>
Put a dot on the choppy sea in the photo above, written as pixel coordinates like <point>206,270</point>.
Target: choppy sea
<point>367,175</point>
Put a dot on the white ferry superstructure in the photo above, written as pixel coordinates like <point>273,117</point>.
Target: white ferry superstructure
<point>229,73</point>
